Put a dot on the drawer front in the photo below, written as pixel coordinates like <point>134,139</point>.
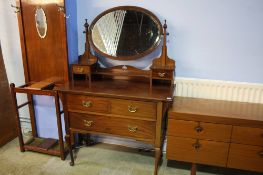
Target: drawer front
<point>197,151</point>
<point>139,129</point>
<point>162,74</point>
<point>246,135</point>
<point>87,103</point>
<point>89,122</point>
<point>246,157</point>
<point>192,129</point>
<point>134,108</point>
<point>76,69</point>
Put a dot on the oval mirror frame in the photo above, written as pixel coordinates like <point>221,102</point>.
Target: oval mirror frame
<point>130,57</point>
<point>41,22</point>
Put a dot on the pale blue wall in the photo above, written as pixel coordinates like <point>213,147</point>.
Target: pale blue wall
<point>211,39</point>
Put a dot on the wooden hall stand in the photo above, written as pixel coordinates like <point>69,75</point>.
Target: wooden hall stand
<point>37,144</point>
<point>215,132</point>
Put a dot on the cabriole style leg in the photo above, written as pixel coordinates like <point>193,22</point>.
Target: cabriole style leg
<point>157,160</point>
<point>70,150</point>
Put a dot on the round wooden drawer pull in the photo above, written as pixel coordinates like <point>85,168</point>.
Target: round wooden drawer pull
<point>132,109</point>
<point>86,103</point>
<point>196,145</point>
<point>132,128</point>
<point>88,123</point>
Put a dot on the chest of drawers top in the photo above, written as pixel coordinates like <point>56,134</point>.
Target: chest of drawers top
<point>120,89</point>
<point>217,111</point>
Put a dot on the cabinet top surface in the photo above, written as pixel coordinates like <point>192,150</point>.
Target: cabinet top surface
<point>217,111</point>
<point>120,89</point>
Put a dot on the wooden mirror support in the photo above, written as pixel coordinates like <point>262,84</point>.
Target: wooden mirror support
<point>163,67</point>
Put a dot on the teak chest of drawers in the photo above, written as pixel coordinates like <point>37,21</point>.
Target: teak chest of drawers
<point>213,132</point>
<point>111,108</point>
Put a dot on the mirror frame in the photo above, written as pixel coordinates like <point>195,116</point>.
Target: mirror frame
<point>132,57</point>
<point>46,24</point>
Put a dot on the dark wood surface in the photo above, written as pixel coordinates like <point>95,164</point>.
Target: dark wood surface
<point>232,129</point>
<point>43,57</point>
<point>7,115</point>
<point>217,111</point>
<point>121,89</point>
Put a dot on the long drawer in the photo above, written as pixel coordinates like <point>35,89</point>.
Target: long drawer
<point>246,157</point>
<point>197,151</point>
<point>246,135</point>
<point>200,130</point>
<point>138,129</point>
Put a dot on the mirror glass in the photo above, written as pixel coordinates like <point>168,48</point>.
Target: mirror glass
<point>125,33</point>
<point>41,22</point>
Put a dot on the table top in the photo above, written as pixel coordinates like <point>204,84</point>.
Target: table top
<point>218,111</point>
<point>120,89</point>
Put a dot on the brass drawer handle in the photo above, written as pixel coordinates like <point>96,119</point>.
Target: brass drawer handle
<point>196,145</point>
<point>161,74</point>
<point>87,123</point>
<point>132,109</point>
<point>199,129</point>
<point>80,69</point>
<point>86,104</point>
<point>132,128</point>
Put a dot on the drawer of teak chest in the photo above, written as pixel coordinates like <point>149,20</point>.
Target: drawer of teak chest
<point>246,135</point>
<point>201,130</point>
<point>87,103</point>
<point>165,74</point>
<point>76,69</point>
<point>246,157</point>
<point>138,129</point>
<point>140,109</point>
<point>197,151</point>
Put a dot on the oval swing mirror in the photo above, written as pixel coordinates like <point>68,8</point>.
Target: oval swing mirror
<point>41,22</point>
<point>125,33</point>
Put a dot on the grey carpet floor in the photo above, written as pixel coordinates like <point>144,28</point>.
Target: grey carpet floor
<point>100,159</point>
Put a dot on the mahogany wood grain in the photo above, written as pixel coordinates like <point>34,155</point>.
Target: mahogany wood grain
<point>112,125</point>
<point>133,108</point>
<point>246,135</point>
<point>246,157</point>
<point>43,57</point>
<point>208,152</point>
<point>88,103</point>
<point>199,130</point>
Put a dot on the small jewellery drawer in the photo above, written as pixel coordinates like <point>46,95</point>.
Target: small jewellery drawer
<point>246,157</point>
<point>197,151</point>
<point>87,103</point>
<point>94,123</point>
<point>165,74</point>
<point>246,135</point>
<point>76,69</point>
<point>133,108</point>
<point>133,128</point>
<point>200,130</point>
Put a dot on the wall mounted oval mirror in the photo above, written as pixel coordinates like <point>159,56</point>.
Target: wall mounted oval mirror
<point>125,33</point>
<point>41,22</point>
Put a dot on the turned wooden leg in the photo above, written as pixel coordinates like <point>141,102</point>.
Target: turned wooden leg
<point>70,150</point>
<point>157,160</point>
<point>193,169</point>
